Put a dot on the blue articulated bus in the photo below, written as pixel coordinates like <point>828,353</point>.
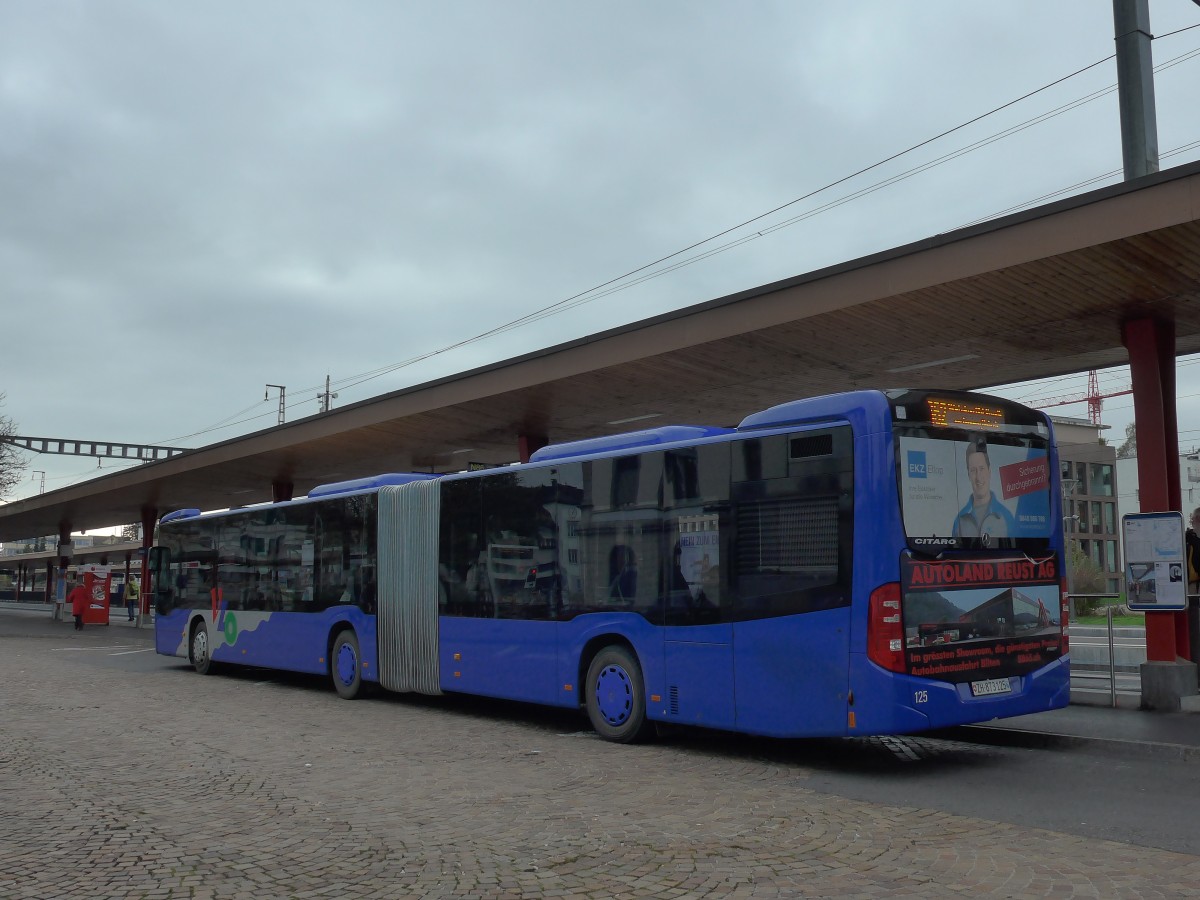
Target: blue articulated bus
<point>864,563</point>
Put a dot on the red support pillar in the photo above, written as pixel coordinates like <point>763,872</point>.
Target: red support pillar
<point>281,490</point>
<point>1151,346</point>
<point>529,444</point>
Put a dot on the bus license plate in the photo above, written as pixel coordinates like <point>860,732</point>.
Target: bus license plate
<point>991,686</point>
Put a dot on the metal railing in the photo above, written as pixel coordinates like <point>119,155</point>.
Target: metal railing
<point>1112,650</point>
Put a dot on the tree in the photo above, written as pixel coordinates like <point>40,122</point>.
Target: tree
<point>131,533</point>
<point>12,463</point>
<point>1084,576</point>
<point>1128,450</point>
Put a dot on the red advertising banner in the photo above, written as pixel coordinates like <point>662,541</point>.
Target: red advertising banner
<point>975,619</point>
<point>1024,477</point>
<point>979,573</point>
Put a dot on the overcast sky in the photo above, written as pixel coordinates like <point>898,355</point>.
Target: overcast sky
<point>200,199</point>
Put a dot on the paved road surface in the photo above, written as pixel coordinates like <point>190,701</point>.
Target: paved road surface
<point>124,774</point>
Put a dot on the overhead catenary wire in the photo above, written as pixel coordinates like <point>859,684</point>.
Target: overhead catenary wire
<point>648,271</point>
<point>612,285</point>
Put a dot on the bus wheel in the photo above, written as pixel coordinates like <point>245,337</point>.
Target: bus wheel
<point>616,696</point>
<point>201,650</point>
<point>345,666</point>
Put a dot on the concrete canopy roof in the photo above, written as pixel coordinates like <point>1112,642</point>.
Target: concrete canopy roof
<point>1035,294</point>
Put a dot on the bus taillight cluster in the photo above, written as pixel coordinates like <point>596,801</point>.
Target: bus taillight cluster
<point>885,628</point>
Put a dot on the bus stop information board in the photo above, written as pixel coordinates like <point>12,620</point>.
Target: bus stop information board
<point>1154,561</point>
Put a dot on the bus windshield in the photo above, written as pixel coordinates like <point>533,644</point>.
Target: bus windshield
<point>974,472</point>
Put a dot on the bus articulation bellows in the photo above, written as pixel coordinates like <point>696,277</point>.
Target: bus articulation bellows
<point>863,563</point>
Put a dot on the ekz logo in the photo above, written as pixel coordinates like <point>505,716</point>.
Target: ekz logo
<point>916,464</point>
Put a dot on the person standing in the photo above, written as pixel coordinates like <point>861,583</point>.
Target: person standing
<point>78,597</point>
<point>1192,552</point>
<point>1191,556</point>
<point>131,596</point>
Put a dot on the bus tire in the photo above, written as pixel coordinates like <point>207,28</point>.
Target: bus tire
<point>615,695</point>
<point>345,665</point>
<point>200,648</point>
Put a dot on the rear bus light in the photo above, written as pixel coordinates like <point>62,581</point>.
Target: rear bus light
<point>885,628</point>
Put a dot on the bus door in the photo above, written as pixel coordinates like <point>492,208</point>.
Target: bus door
<point>698,645</point>
<point>499,629</point>
<point>698,633</point>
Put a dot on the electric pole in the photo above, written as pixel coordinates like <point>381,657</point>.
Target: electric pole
<point>1135,87</point>
<point>326,398</point>
<point>282,393</point>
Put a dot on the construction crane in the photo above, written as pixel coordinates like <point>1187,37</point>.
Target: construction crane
<point>1093,398</point>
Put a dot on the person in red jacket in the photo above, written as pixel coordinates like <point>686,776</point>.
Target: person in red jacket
<point>78,598</point>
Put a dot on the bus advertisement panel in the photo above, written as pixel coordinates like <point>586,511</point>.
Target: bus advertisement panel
<point>979,620</point>
<point>973,488</point>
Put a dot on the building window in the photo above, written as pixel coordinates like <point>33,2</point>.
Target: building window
<point>1083,515</point>
<point>1111,551</point>
<point>1110,518</point>
<point>1101,480</point>
<point>1097,514</point>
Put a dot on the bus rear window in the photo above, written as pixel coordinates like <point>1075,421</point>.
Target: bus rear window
<point>973,482</point>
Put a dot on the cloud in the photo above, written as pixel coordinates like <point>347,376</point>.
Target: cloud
<point>197,200</point>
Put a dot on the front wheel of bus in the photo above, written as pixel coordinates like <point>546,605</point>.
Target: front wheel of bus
<point>201,649</point>
<point>616,696</point>
<point>345,666</point>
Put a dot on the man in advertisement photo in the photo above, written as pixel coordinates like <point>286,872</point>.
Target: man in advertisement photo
<point>983,516</point>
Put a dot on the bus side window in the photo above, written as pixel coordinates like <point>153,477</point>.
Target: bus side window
<point>620,532</point>
<point>463,550</point>
<point>521,544</point>
<point>794,534</point>
<point>698,534</point>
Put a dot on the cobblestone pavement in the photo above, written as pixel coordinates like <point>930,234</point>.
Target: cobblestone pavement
<point>165,784</point>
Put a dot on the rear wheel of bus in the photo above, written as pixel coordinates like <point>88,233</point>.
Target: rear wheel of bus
<point>616,696</point>
<point>345,665</point>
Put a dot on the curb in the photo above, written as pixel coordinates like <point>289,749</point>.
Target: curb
<point>1039,740</point>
